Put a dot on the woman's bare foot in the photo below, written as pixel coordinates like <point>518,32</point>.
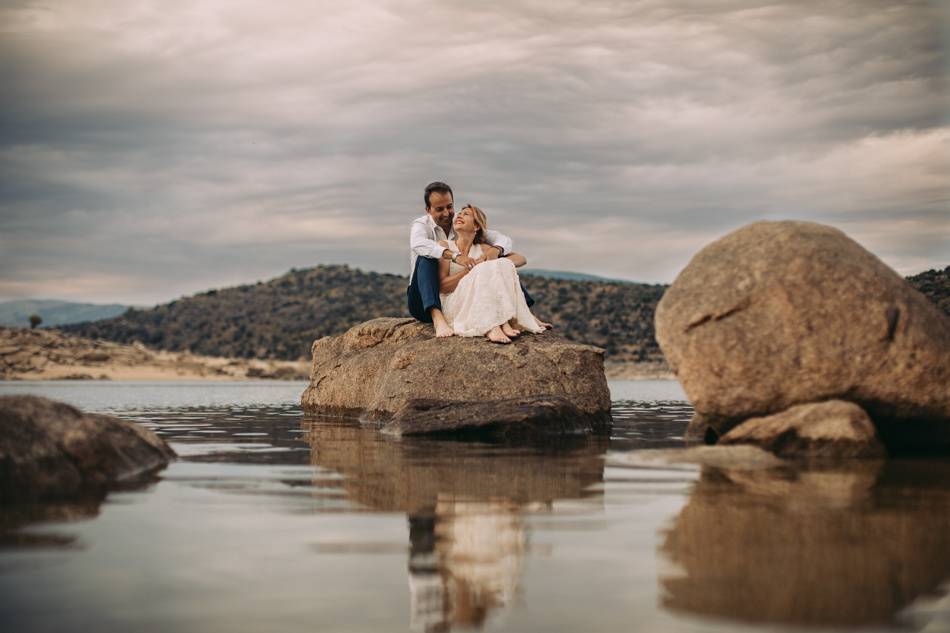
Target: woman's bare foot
<point>509,331</point>
<point>545,325</point>
<point>495,335</point>
<point>442,327</point>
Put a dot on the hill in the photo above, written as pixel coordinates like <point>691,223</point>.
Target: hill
<point>935,285</point>
<point>17,313</point>
<point>280,318</point>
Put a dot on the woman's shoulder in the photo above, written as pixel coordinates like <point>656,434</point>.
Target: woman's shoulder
<point>449,244</point>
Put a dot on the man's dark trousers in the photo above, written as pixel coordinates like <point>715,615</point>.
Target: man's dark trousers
<point>423,292</point>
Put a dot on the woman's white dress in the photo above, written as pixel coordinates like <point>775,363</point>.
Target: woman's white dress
<point>489,295</point>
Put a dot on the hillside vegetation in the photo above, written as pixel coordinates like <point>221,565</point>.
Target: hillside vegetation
<point>935,285</point>
<point>282,317</point>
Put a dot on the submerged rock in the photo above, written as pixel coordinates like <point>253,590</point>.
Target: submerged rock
<point>784,313</point>
<point>376,368</point>
<point>51,449</point>
<point>512,419</point>
<point>822,430</point>
<point>738,457</point>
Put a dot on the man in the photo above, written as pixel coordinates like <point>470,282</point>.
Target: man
<point>424,235</point>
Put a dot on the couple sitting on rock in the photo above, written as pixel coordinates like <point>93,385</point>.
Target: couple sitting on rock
<point>463,278</point>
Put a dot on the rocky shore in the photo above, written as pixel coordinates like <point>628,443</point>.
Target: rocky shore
<point>50,355</point>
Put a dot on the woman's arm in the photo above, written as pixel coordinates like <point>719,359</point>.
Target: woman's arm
<point>517,259</point>
<point>447,282</point>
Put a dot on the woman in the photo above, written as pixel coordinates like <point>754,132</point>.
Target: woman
<point>487,299</point>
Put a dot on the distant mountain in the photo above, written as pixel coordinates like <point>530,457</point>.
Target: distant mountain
<point>561,274</point>
<point>280,318</point>
<point>17,313</point>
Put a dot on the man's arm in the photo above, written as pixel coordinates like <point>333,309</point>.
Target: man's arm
<point>499,241</point>
<point>420,242</point>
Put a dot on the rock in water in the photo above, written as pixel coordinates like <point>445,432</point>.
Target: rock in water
<point>514,419</point>
<point>784,313</point>
<point>377,367</point>
<point>833,429</point>
<point>50,449</point>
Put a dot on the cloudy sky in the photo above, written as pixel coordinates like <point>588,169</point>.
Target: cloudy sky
<point>151,149</point>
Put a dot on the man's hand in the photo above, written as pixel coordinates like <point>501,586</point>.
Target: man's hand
<point>489,253</point>
<point>466,261</point>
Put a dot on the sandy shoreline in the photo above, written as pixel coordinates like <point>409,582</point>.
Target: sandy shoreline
<point>49,355</point>
<point>619,370</point>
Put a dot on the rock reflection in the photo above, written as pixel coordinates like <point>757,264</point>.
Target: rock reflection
<point>465,505</point>
<point>814,547</point>
<point>16,516</point>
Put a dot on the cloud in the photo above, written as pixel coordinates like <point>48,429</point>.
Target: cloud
<point>152,145</point>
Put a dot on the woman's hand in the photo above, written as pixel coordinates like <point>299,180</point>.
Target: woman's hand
<point>465,261</point>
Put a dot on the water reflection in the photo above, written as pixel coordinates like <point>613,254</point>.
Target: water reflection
<point>15,516</point>
<point>818,547</point>
<point>465,509</point>
<point>465,561</point>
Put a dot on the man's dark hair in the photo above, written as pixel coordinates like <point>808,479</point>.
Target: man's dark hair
<point>437,187</point>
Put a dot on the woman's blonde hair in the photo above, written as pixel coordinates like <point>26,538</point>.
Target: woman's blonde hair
<point>481,221</point>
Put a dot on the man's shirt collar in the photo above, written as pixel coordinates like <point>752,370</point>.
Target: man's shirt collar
<point>437,230</point>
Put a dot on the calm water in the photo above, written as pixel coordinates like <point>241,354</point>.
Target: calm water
<point>271,521</point>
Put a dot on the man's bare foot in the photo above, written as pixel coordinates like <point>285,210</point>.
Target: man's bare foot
<point>509,331</point>
<point>495,335</point>
<point>545,325</point>
<point>442,327</point>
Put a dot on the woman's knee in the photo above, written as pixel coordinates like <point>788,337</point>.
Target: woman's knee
<point>501,262</point>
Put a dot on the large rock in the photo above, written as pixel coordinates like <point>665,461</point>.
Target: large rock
<point>51,449</point>
<point>783,313</point>
<point>377,367</point>
<point>833,429</point>
<point>512,419</point>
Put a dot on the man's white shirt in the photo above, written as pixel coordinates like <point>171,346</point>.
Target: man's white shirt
<point>424,236</point>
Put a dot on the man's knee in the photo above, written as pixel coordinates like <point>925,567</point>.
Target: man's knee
<point>427,270</point>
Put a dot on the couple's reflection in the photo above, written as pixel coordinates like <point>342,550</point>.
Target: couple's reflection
<point>848,546</point>
<point>465,505</point>
<point>465,562</point>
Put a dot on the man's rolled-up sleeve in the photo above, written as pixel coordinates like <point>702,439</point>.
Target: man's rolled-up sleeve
<point>500,240</point>
<point>420,242</point>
